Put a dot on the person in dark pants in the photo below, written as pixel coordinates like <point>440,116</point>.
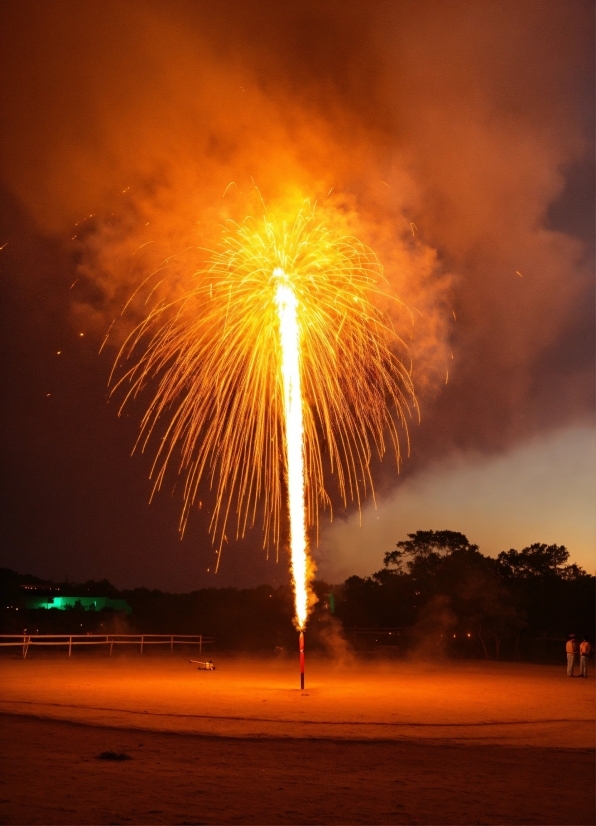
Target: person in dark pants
<point>585,649</point>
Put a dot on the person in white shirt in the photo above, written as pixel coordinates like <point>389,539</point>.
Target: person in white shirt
<point>571,649</point>
<point>585,649</point>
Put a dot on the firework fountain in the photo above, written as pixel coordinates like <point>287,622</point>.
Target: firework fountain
<point>275,370</point>
<point>289,332</point>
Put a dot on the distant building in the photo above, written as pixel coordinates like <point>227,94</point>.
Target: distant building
<point>87,603</point>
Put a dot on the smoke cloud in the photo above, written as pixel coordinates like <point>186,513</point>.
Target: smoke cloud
<point>454,138</point>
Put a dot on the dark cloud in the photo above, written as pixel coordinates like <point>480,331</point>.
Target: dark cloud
<point>466,124</point>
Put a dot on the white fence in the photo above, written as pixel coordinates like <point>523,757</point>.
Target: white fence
<point>70,640</point>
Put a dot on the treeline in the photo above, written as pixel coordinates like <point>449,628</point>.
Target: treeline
<point>436,591</point>
<point>448,596</point>
<point>258,619</point>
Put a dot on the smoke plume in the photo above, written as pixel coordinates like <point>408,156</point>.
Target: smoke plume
<point>454,138</point>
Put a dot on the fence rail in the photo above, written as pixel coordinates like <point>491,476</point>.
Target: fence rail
<point>25,640</point>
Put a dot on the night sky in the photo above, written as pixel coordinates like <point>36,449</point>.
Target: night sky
<point>459,135</point>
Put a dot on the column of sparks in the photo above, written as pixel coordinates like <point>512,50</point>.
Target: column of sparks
<point>294,444</point>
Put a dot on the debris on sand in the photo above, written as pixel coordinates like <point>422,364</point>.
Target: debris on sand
<point>113,755</point>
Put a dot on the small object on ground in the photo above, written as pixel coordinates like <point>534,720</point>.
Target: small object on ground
<point>206,666</point>
<point>113,755</point>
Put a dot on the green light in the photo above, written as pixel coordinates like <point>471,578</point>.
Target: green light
<point>86,603</point>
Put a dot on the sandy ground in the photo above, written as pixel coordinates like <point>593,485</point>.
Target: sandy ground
<point>461,702</point>
<point>394,743</point>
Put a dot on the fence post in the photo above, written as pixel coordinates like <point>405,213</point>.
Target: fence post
<point>70,646</point>
<point>142,638</point>
<point>200,643</point>
<point>24,649</point>
<point>171,643</point>
<point>111,646</point>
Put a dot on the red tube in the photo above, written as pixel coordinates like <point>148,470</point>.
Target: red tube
<point>301,649</point>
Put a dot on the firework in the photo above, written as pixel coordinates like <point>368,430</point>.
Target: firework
<point>273,373</point>
<point>289,334</point>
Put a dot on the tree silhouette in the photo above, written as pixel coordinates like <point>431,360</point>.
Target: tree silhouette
<point>538,560</point>
<point>427,544</point>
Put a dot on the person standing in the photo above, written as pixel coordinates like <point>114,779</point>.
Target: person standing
<point>585,650</point>
<point>571,649</point>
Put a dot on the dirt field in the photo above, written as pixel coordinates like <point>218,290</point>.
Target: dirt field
<point>394,743</point>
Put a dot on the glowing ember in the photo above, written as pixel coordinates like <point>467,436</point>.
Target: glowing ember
<point>274,366</point>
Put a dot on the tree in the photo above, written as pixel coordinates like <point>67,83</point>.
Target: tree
<point>427,544</point>
<point>538,560</point>
<point>486,603</point>
<point>445,568</point>
<point>557,597</point>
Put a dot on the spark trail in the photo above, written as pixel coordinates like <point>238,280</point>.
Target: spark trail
<point>290,369</point>
<point>274,369</point>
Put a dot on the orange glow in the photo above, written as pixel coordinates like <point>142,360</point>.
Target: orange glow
<point>294,440</point>
<point>274,369</point>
